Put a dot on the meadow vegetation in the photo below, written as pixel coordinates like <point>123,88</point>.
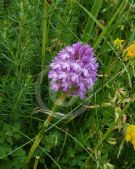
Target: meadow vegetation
<point>84,134</point>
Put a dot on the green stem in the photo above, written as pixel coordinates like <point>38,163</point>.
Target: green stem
<point>44,33</point>
<point>98,106</point>
<point>45,125</point>
<point>36,162</point>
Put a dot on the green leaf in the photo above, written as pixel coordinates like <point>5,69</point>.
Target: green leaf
<point>90,24</point>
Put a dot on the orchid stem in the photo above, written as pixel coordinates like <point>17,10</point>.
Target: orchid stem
<point>45,125</point>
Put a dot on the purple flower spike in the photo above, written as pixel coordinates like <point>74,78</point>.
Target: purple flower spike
<point>74,70</point>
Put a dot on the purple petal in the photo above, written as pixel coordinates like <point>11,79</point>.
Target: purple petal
<point>62,75</point>
<point>54,86</point>
<point>52,74</point>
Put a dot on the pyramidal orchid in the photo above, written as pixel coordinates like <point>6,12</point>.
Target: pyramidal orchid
<point>74,70</point>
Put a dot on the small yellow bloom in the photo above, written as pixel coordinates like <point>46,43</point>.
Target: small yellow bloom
<point>130,135</point>
<point>118,42</point>
<point>130,52</point>
<point>127,137</point>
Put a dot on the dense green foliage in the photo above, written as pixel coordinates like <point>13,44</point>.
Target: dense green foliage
<point>31,34</point>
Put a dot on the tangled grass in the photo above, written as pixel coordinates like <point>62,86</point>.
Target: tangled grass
<point>83,134</point>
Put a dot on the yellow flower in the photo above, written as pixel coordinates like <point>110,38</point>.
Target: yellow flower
<point>130,52</point>
<point>127,137</point>
<point>118,42</point>
<point>130,135</point>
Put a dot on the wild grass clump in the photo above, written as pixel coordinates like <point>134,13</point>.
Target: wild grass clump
<point>40,128</point>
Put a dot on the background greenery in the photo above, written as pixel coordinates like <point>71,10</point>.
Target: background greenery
<point>31,34</point>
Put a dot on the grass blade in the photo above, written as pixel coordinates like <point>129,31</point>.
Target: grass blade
<point>90,24</point>
<point>118,11</point>
<point>44,33</point>
<point>91,16</point>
